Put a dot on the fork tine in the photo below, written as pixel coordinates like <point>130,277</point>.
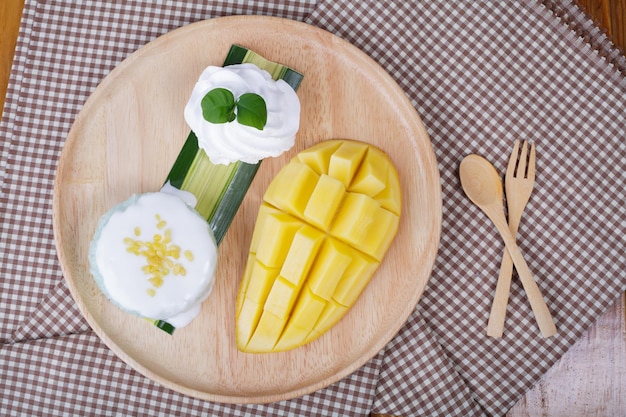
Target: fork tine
<point>520,172</point>
<point>510,170</point>
<point>531,163</point>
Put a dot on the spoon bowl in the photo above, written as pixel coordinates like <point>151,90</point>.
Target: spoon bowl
<point>480,181</point>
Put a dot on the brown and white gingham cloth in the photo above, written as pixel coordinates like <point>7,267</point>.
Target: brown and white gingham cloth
<point>480,74</point>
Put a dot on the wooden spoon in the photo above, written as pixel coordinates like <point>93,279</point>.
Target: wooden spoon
<point>483,186</point>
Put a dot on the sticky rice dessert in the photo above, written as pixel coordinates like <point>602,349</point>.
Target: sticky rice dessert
<point>155,257</point>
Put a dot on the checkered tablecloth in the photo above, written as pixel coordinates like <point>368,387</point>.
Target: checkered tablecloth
<point>480,74</point>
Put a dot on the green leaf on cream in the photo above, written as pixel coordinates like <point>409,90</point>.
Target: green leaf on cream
<point>252,111</point>
<point>219,106</point>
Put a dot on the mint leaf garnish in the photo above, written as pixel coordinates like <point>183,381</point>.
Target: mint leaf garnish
<point>218,106</point>
<point>251,110</point>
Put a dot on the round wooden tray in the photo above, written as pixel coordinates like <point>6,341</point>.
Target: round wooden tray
<point>125,140</point>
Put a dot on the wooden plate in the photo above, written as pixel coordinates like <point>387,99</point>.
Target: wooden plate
<point>125,140</point>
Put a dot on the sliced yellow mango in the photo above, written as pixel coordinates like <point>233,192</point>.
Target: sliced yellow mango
<point>259,231</point>
<point>301,255</point>
<point>324,226</point>
<point>324,202</point>
<point>318,156</point>
<point>354,279</point>
<point>376,241</point>
<point>300,324</point>
<point>332,313</point>
<point>266,333</point>
<point>291,189</point>
<point>372,176</point>
<point>264,277</point>
<point>291,336</point>
<point>247,320</point>
<point>245,280</point>
<point>279,230</point>
<point>345,161</point>
<point>333,260</point>
<point>281,298</point>
<point>309,305</point>
<point>391,198</point>
<point>357,214</point>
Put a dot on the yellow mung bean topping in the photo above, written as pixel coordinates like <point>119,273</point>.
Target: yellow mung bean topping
<point>160,255</point>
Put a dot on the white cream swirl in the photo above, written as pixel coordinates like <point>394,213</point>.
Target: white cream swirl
<point>229,142</point>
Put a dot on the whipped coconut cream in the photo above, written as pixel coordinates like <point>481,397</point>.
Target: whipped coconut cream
<point>229,142</point>
<point>155,257</point>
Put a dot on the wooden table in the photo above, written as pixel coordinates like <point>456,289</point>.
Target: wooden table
<point>590,379</point>
<point>10,14</point>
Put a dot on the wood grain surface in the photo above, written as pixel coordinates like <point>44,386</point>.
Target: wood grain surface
<point>590,380</point>
<point>101,165</point>
<point>10,15</point>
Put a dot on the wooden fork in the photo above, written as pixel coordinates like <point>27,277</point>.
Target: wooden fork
<point>518,182</point>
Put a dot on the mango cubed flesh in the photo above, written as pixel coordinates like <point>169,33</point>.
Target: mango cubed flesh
<point>391,197</point>
<point>353,222</point>
<point>376,241</point>
<point>300,324</point>
<point>372,176</point>
<point>345,161</point>
<point>318,156</point>
<point>260,286</point>
<point>309,305</point>
<point>332,313</point>
<point>333,260</point>
<point>259,231</point>
<point>279,230</point>
<point>326,221</point>
<point>245,281</point>
<point>355,278</point>
<point>266,333</point>
<point>247,320</point>
<point>291,189</point>
<point>292,336</point>
<point>324,201</point>
<point>281,298</point>
<point>301,255</point>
